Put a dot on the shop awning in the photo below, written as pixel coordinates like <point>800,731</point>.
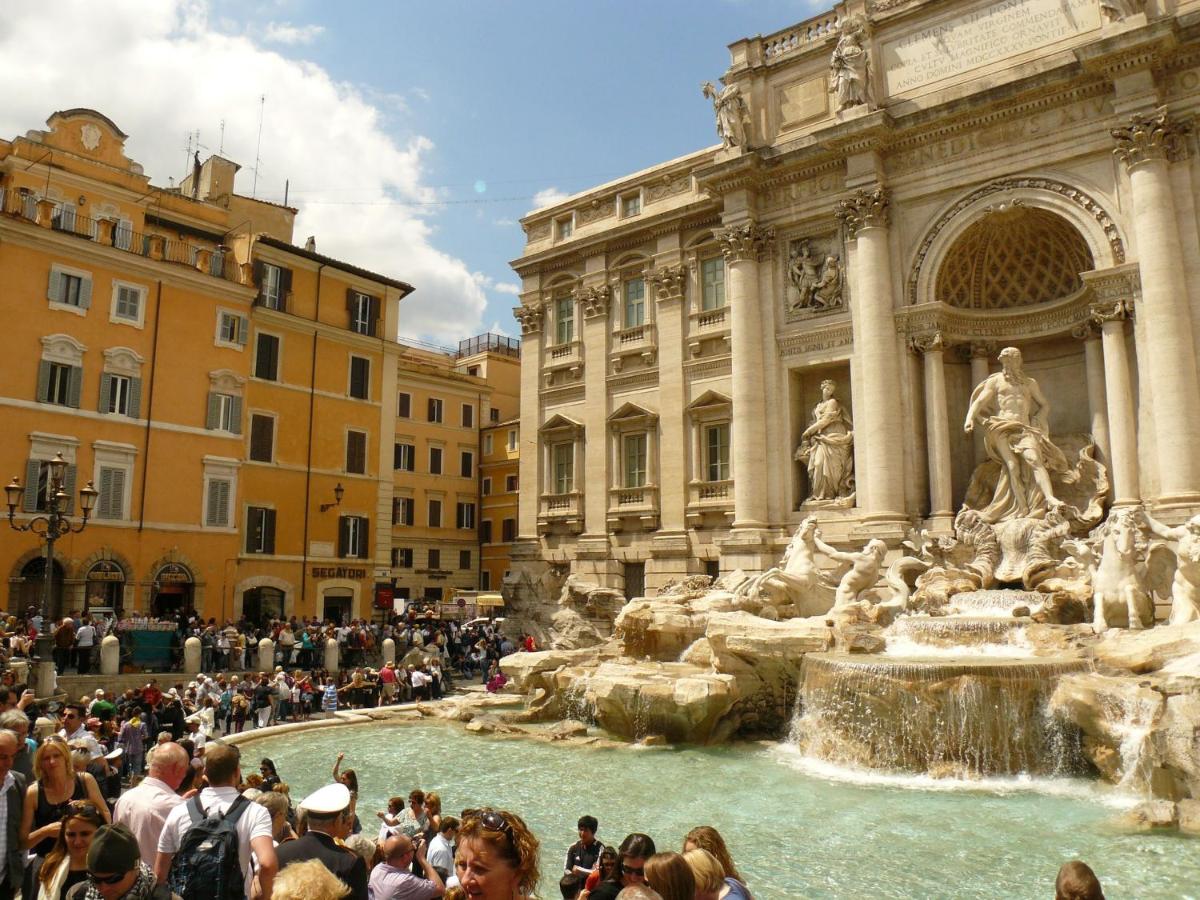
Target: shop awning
<point>490,600</point>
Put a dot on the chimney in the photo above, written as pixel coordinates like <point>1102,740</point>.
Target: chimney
<point>311,244</point>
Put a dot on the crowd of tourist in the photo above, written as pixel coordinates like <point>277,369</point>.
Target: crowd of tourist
<point>135,796</point>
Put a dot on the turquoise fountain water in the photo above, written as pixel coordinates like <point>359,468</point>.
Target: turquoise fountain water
<point>797,829</point>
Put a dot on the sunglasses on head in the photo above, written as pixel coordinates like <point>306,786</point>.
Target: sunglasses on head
<point>106,879</point>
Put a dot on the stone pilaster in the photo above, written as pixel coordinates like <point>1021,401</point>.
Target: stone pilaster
<point>982,353</point>
<point>937,424</point>
<point>879,423</point>
<point>1093,360</point>
<point>668,282</point>
<point>1123,461</point>
<point>743,246</point>
<point>1147,146</point>
<point>594,301</point>
<point>531,318</point>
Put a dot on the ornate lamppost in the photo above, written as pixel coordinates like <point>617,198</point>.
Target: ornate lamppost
<point>51,526</point>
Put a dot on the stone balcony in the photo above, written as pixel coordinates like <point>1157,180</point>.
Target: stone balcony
<point>566,358</point>
<point>708,326</point>
<point>633,507</point>
<point>561,510</point>
<point>638,341</point>
<point>710,500</point>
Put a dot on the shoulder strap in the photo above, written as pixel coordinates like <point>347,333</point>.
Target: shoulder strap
<point>236,809</point>
<point>196,811</point>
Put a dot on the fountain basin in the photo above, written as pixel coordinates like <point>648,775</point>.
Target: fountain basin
<point>959,716</point>
<point>957,631</point>
<point>999,602</point>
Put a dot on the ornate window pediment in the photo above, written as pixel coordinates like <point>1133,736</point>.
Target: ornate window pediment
<point>709,402</point>
<point>561,427</point>
<point>226,381</point>
<point>62,348</point>
<point>632,417</point>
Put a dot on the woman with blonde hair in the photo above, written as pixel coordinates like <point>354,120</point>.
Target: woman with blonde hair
<point>66,864</point>
<point>705,837</point>
<point>433,810</point>
<point>709,875</point>
<point>670,875</point>
<point>496,858</point>
<point>308,880</point>
<point>46,800</point>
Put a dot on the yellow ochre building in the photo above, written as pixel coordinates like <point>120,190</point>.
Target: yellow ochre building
<point>231,395</point>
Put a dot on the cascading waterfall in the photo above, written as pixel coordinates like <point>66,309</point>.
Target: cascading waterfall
<point>961,718</point>
<point>577,704</point>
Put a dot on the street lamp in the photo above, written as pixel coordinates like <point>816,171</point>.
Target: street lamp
<point>338,493</point>
<point>51,526</point>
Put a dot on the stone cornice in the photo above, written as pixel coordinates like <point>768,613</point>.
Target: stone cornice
<point>1113,292</point>
<point>827,337</point>
<point>1128,51</point>
<point>1026,323</point>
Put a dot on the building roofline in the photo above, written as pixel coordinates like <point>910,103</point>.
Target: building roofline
<point>403,286</point>
<point>87,111</point>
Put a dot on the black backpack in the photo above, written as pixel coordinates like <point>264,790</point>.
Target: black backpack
<point>207,866</point>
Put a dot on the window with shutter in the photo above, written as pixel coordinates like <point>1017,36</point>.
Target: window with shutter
<point>234,422</point>
<point>435,460</point>
<point>135,398</point>
<point>464,559</point>
<point>435,513</point>
<point>466,464</point>
<point>260,530</point>
<point>404,406</point>
<point>364,525</point>
<point>435,559</point>
<point>36,474</point>
<point>356,452</point>
<point>266,357</point>
<point>116,398</point>
<point>74,386</point>
<point>218,499</point>
<point>435,410</point>
<point>111,502</point>
<point>509,530</point>
<point>485,531</point>
<point>468,416</point>
<point>262,437</point>
<point>510,483</point>
<point>465,515</point>
<point>362,311</point>
<point>360,378</point>
<point>485,486</point>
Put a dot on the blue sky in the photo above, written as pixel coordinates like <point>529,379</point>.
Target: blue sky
<point>412,135</point>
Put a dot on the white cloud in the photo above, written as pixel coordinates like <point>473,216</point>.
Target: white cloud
<point>287,33</point>
<point>548,197</point>
<point>504,222</point>
<point>503,287</point>
<point>320,134</point>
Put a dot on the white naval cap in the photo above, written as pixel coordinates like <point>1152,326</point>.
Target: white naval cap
<point>332,798</point>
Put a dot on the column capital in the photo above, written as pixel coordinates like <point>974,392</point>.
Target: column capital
<point>928,342</point>
<point>594,300</point>
<point>530,317</point>
<point>668,282</point>
<point>1149,137</point>
<point>863,209</point>
<point>1086,331</point>
<point>1117,310</point>
<point>748,241</point>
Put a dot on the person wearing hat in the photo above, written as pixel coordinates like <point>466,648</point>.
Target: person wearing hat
<point>387,684</point>
<point>116,870</point>
<point>327,811</point>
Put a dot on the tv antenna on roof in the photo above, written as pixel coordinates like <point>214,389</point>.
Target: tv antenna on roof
<point>221,142</point>
<point>262,105</point>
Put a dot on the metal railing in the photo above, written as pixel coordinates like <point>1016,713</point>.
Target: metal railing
<point>490,342</point>
<point>65,219</point>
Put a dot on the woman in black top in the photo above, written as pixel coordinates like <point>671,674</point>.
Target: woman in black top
<point>65,865</point>
<point>270,775</point>
<point>47,799</point>
<point>630,868</point>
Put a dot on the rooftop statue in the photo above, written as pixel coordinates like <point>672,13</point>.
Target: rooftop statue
<point>733,117</point>
<point>850,66</point>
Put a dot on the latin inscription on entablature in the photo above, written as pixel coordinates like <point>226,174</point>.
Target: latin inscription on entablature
<point>801,191</point>
<point>1012,131</point>
<point>991,33</point>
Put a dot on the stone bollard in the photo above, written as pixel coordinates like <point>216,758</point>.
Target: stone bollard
<point>110,655</point>
<point>191,655</point>
<point>389,651</point>
<point>266,655</point>
<point>331,655</point>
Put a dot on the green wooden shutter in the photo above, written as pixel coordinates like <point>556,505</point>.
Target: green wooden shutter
<point>243,330</point>
<point>268,531</point>
<point>43,382</point>
<point>74,386</point>
<point>258,279</point>
<point>135,398</point>
<point>214,411</point>
<point>54,289</point>
<point>118,493</point>
<point>236,415</point>
<point>85,293</point>
<point>33,473</point>
<point>106,385</point>
<point>285,288</point>
<point>373,317</point>
<point>343,535</point>
<point>104,503</point>
<point>364,526</point>
<point>69,489</point>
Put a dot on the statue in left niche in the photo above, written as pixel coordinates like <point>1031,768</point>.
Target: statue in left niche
<point>733,116</point>
<point>827,449</point>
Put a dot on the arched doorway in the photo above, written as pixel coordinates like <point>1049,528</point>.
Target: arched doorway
<point>105,585</point>
<point>262,604</point>
<point>172,591</point>
<point>33,584</point>
<point>337,605</point>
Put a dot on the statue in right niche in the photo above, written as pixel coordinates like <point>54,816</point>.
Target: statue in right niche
<point>827,449</point>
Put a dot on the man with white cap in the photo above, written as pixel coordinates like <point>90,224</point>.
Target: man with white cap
<point>327,811</point>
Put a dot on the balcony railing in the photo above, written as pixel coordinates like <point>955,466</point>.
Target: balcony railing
<point>561,509</point>
<point>492,343</point>
<point>809,32</point>
<point>709,497</point>
<point>629,505</point>
<point>217,262</point>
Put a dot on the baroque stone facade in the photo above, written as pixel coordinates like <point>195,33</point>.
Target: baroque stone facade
<point>914,187</point>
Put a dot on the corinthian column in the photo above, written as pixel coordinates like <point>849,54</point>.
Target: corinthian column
<point>594,301</point>
<point>879,425</point>
<point>531,318</point>
<point>1119,396</point>
<point>937,423</point>
<point>1146,146</point>
<point>744,246</point>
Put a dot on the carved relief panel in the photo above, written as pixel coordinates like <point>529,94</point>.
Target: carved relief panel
<point>815,276</point>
